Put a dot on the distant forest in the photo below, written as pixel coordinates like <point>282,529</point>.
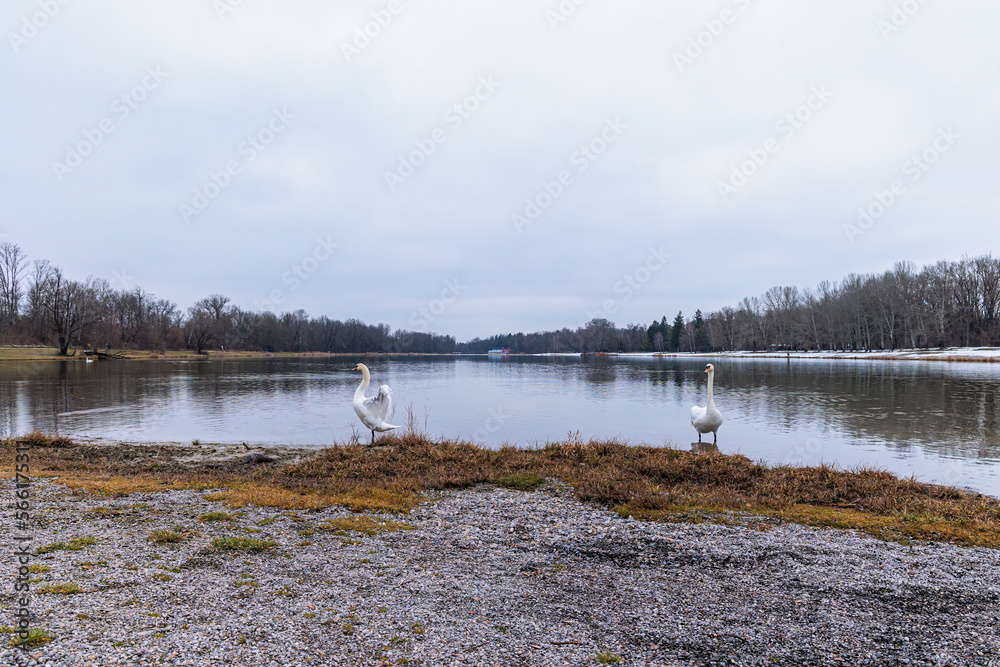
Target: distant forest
<point>941,305</point>
<point>39,305</point>
<point>944,304</point>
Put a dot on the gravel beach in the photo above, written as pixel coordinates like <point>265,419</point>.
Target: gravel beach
<point>489,576</point>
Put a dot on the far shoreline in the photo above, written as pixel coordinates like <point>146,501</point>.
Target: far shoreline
<point>950,354</point>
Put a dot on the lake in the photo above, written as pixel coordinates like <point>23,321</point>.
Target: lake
<point>938,421</point>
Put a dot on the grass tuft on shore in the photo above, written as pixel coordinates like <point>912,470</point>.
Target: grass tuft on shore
<point>242,544</point>
<point>164,536</point>
<point>607,658</point>
<point>364,524</point>
<point>650,483</point>
<point>523,482</point>
<point>36,637</point>
<point>71,588</point>
<point>39,439</point>
<point>75,544</point>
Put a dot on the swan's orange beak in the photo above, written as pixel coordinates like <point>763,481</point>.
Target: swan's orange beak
<point>355,368</point>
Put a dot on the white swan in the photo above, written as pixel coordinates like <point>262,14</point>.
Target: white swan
<point>707,418</point>
<point>373,410</point>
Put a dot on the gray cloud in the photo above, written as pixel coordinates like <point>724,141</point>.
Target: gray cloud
<point>559,82</point>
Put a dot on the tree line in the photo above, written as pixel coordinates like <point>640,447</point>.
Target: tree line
<point>949,303</point>
<point>40,305</point>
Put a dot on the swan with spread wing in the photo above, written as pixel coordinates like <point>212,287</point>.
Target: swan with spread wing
<point>373,410</point>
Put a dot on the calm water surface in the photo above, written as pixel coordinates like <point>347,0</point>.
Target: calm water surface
<point>938,421</point>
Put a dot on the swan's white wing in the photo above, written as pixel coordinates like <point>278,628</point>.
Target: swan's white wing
<point>364,413</point>
<point>380,405</point>
<point>697,414</point>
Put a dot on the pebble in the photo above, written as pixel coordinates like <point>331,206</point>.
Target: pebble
<point>491,576</point>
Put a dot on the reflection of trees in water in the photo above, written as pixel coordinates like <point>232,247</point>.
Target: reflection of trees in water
<point>229,387</point>
<point>599,374</point>
<point>950,409</point>
<point>32,394</point>
<point>38,398</point>
<point>954,412</point>
<point>600,370</point>
<point>11,397</point>
<point>38,395</point>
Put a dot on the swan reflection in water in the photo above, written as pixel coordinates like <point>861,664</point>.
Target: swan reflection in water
<point>704,448</point>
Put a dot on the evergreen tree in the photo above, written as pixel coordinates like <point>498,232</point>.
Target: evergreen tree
<point>657,335</point>
<point>700,337</point>
<point>675,332</point>
<point>651,332</point>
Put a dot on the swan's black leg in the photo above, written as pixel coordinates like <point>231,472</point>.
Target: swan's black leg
<point>715,438</point>
<point>699,436</point>
<point>373,436</point>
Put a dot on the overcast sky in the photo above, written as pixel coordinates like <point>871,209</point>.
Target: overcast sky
<point>519,159</point>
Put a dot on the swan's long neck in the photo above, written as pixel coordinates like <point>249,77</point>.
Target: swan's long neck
<point>711,380</point>
<point>365,379</point>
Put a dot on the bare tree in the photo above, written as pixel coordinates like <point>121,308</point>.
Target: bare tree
<point>200,330</point>
<point>727,318</point>
<point>598,335</point>
<point>72,308</point>
<point>13,264</point>
<point>208,323</point>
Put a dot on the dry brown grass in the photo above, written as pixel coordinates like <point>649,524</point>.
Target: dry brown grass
<point>115,486</point>
<point>667,484</point>
<point>38,439</point>
<point>645,482</point>
<point>358,500</point>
